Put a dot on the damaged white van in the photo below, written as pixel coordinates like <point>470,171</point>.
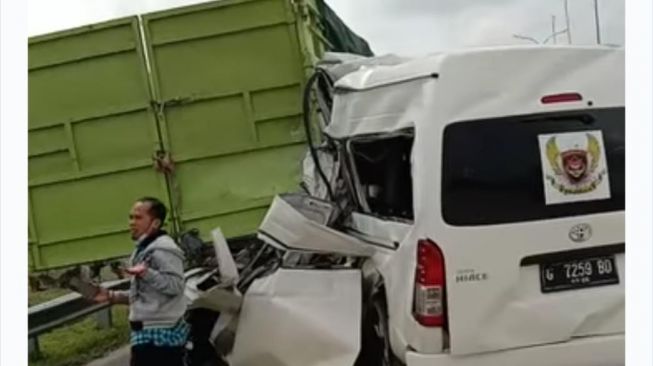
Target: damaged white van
<point>465,208</point>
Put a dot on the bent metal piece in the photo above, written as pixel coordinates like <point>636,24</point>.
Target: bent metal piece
<point>288,227</point>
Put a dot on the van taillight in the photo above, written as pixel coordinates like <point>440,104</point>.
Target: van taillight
<point>428,307</point>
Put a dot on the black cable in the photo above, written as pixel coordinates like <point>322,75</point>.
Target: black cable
<point>306,106</point>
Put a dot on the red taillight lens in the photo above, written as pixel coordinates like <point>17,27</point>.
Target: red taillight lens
<point>561,98</point>
<point>429,285</point>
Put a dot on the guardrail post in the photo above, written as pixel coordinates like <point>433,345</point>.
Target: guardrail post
<point>104,318</point>
<point>33,347</point>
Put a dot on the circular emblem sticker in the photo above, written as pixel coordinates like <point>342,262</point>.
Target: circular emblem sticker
<point>574,167</point>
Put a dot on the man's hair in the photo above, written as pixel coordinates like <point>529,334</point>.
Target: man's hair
<point>157,208</point>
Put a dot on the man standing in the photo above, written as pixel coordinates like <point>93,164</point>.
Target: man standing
<point>156,294</point>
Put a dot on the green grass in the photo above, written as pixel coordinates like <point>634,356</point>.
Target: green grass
<point>83,342</point>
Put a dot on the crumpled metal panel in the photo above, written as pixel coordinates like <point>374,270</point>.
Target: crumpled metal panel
<point>300,318</point>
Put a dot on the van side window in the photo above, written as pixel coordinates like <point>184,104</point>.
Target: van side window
<point>382,172</point>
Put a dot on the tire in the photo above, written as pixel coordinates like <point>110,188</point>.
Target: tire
<point>375,341</point>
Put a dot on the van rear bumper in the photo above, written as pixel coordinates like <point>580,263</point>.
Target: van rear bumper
<point>589,351</point>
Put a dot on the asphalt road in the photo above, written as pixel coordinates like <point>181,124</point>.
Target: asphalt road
<point>119,357</point>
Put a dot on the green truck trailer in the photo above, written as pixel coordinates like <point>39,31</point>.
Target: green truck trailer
<point>200,106</point>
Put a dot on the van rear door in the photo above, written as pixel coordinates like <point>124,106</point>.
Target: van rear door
<point>534,235</point>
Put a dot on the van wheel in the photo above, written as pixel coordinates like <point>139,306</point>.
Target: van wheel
<point>375,342</point>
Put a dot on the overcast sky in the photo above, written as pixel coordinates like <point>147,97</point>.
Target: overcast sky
<point>405,27</point>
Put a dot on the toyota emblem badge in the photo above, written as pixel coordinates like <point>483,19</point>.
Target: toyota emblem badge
<point>580,233</point>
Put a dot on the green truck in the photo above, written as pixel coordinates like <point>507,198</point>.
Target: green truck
<point>200,106</point>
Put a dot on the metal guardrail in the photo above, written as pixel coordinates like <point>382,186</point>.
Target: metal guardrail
<point>64,310</point>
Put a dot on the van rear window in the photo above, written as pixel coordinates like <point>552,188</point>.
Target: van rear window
<point>534,167</point>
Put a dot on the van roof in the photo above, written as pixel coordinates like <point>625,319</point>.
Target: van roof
<point>370,76</point>
<point>471,84</point>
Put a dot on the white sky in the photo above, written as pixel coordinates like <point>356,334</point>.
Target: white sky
<point>405,27</point>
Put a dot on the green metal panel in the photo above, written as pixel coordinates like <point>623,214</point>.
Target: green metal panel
<point>217,86</point>
<point>229,76</point>
<point>91,137</point>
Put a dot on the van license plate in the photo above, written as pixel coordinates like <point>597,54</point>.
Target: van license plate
<point>579,273</point>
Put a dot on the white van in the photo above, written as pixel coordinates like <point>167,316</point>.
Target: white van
<point>499,173</point>
<point>484,191</point>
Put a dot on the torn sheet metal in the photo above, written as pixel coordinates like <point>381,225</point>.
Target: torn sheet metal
<point>215,289</point>
<point>300,318</point>
<point>205,291</point>
<point>384,232</point>
<point>300,228</point>
<point>339,64</point>
<point>226,264</point>
<point>311,179</point>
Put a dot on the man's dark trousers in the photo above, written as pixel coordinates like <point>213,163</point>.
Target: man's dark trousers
<point>150,355</point>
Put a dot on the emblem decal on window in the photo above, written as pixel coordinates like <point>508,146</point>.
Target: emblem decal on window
<point>574,167</point>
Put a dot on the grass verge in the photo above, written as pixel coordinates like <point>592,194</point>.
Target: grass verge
<point>82,342</point>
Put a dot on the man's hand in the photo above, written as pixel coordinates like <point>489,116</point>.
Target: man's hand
<point>137,270</point>
<point>102,296</point>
